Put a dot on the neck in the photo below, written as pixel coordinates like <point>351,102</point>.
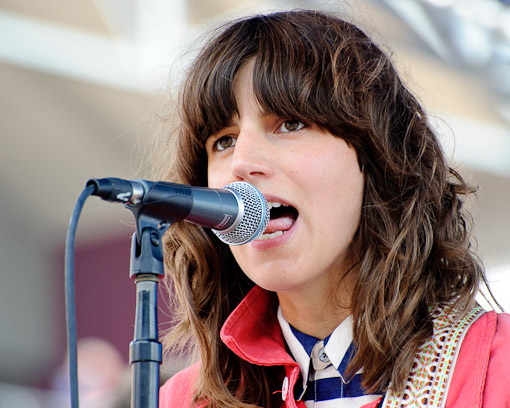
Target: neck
<point>315,312</point>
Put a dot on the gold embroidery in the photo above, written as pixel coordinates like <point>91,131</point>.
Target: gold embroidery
<point>429,380</point>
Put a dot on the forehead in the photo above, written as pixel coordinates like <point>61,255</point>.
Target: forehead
<point>244,89</point>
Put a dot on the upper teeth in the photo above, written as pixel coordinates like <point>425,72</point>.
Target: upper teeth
<point>273,204</point>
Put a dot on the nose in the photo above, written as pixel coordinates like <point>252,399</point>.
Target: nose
<point>252,156</point>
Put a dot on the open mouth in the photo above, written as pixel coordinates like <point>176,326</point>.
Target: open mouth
<point>282,218</point>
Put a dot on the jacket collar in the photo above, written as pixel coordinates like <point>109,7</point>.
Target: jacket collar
<point>253,333</point>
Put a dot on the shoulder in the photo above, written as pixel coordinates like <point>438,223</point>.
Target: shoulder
<point>488,339</point>
<point>496,391</point>
<point>178,391</point>
<point>483,364</point>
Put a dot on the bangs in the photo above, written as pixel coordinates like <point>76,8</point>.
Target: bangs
<point>293,75</point>
<point>295,63</point>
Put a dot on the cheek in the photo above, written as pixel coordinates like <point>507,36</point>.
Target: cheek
<point>340,194</point>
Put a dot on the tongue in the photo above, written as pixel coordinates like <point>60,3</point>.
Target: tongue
<point>280,224</point>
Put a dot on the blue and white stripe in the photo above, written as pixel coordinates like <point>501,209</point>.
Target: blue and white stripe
<point>323,366</point>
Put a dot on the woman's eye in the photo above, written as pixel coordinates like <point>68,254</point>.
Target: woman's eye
<point>291,126</point>
<point>224,142</point>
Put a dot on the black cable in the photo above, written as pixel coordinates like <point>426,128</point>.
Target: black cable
<point>72,349</point>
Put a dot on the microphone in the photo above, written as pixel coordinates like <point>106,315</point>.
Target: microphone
<point>237,213</point>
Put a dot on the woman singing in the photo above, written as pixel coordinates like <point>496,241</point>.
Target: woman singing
<point>360,292</point>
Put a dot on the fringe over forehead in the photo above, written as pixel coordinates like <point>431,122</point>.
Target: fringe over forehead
<point>308,66</point>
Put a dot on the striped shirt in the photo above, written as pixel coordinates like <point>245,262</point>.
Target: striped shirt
<point>323,365</point>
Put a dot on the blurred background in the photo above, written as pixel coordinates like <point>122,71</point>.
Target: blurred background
<point>84,86</point>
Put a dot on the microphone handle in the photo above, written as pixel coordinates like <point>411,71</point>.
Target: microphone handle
<point>212,208</point>
<point>219,209</point>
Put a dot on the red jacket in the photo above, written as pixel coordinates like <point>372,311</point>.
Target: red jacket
<point>481,377</point>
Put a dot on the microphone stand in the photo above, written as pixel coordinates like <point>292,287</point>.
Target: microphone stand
<point>145,351</point>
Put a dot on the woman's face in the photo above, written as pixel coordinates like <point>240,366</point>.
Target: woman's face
<point>311,176</point>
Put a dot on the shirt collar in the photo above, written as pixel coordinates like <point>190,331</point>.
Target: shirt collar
<point>296,348</point>
<point>338,346</point>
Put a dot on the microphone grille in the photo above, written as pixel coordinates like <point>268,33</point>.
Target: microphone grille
<point>253,213</point>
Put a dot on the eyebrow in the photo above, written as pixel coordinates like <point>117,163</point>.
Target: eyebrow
<point>215,134</point>
<point>226,125</point>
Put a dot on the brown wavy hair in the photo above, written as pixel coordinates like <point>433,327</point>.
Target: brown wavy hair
<point>413,242</point>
